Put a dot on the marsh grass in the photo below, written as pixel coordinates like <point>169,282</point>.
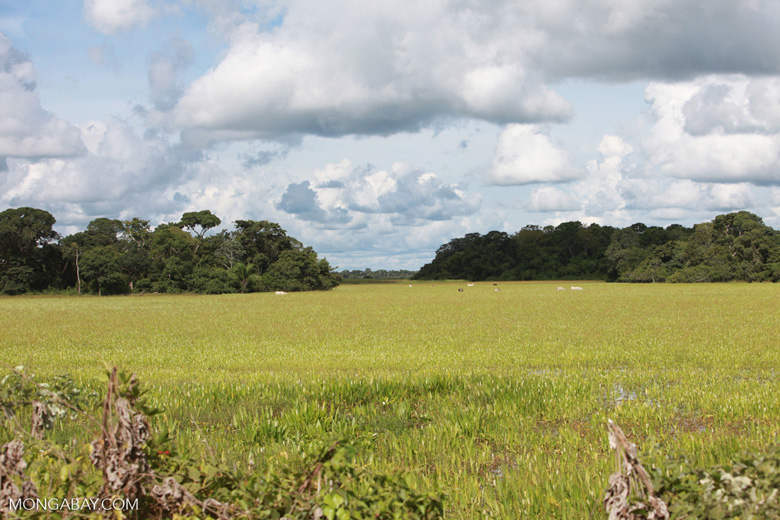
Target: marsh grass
<point>498,398</point>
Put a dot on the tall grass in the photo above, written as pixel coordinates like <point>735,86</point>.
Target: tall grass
<point>498,398</point>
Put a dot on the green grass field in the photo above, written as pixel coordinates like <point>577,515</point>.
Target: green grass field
<point>499,399</point>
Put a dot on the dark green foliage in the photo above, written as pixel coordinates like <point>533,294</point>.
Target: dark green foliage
<point>736,246</point>
<point>300,271</point>
<point>101,268</point>
<point>262,242</point>
<point>117,257</point>
<point>329,478</point>
<point>747,488</point>
<point>199,222</point>
<point>26,259</point>
<point>569,251</point>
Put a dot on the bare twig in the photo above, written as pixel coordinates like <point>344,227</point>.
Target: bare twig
<point>616,499</point>
<point>12,464</point>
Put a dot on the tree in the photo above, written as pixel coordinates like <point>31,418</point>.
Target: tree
<point>625,251</point>
<point>71,253</point>
<point>23,230</point>
<point>243,273</point>
<point>300,270</point>
<point>204,220</point>
<point>101,267</point>
<point>263,242</point>
<point>24,233</point>
<point>136,231</point>
<point>104,231</point>
<point>229,251</point>
<point>171,250</point>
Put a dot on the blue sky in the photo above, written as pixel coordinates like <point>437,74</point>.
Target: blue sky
<point>376,131</point>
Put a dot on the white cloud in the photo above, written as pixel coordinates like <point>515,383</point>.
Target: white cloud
<point>763,95</point>
<point>613,147</point>
<point>775,194</point>
<point>601,196</point>
<point>113,16</point>
<point>368,68</point>
<point>348,67</point>
<point>550,198</point>
<point>117,167</point>
<point>677,194</point>
<point>716,129</point>
<point>523,155</point>
<point>26,129</point>
<point>165,67</point>
<point>730,197</point>
<point>401,196</point>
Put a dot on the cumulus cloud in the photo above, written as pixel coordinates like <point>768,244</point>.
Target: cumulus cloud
<point>368,68</point>
<point>714,109</point>
<point>352,67</point>
<point>716,129</point>
<point>26,128</point>
<point>729,197</point>
<point>602,195</point>
<point>550,198</point>
<point>119,169</point>
<point>113,16</point>
<point>523,155</point>
<point>659,39</point>
<point>165,66</point>
<point>261,157</point>
<point>341,193</point>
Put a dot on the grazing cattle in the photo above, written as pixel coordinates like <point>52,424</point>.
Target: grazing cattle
<point>280,292</point>
<point>561,289</point>
<point>460,290</point>
<point>576,288</point>
<point>470,285</point>
<point>410,285</point>
<point>496,289</point>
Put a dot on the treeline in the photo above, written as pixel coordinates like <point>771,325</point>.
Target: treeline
<point>120,256</point>
<point>379,274</point>
<point>736,246</point>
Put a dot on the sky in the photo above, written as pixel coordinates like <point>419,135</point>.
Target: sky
<point>377,131</point>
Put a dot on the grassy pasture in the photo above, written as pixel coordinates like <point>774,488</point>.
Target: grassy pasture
<point>498,398</point>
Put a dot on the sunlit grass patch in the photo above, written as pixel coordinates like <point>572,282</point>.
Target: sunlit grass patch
<point>498,397</point>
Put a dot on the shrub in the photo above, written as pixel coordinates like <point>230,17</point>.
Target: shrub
<point>127,461</point>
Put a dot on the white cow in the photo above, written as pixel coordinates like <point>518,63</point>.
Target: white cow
<point>280,292</point>
<point>576,288</point>
<point>561,289</point>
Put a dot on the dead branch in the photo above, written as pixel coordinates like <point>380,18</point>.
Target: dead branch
<point>12,464</point>
<point>118,452</point>
<point>39,419</point>
<point>631,476</point>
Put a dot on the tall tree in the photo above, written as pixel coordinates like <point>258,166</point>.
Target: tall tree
<point>199,222</point>
<point>24,233</point>
<point>263,242</point>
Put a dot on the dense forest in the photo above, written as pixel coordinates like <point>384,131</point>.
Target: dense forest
<point>736,246</point>
<point>120,256</point>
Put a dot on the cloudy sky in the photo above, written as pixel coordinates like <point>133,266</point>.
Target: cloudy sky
<point>375,131</point>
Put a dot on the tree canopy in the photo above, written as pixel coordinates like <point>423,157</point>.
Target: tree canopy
<point>119,256</point>
<point>735,246</point>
